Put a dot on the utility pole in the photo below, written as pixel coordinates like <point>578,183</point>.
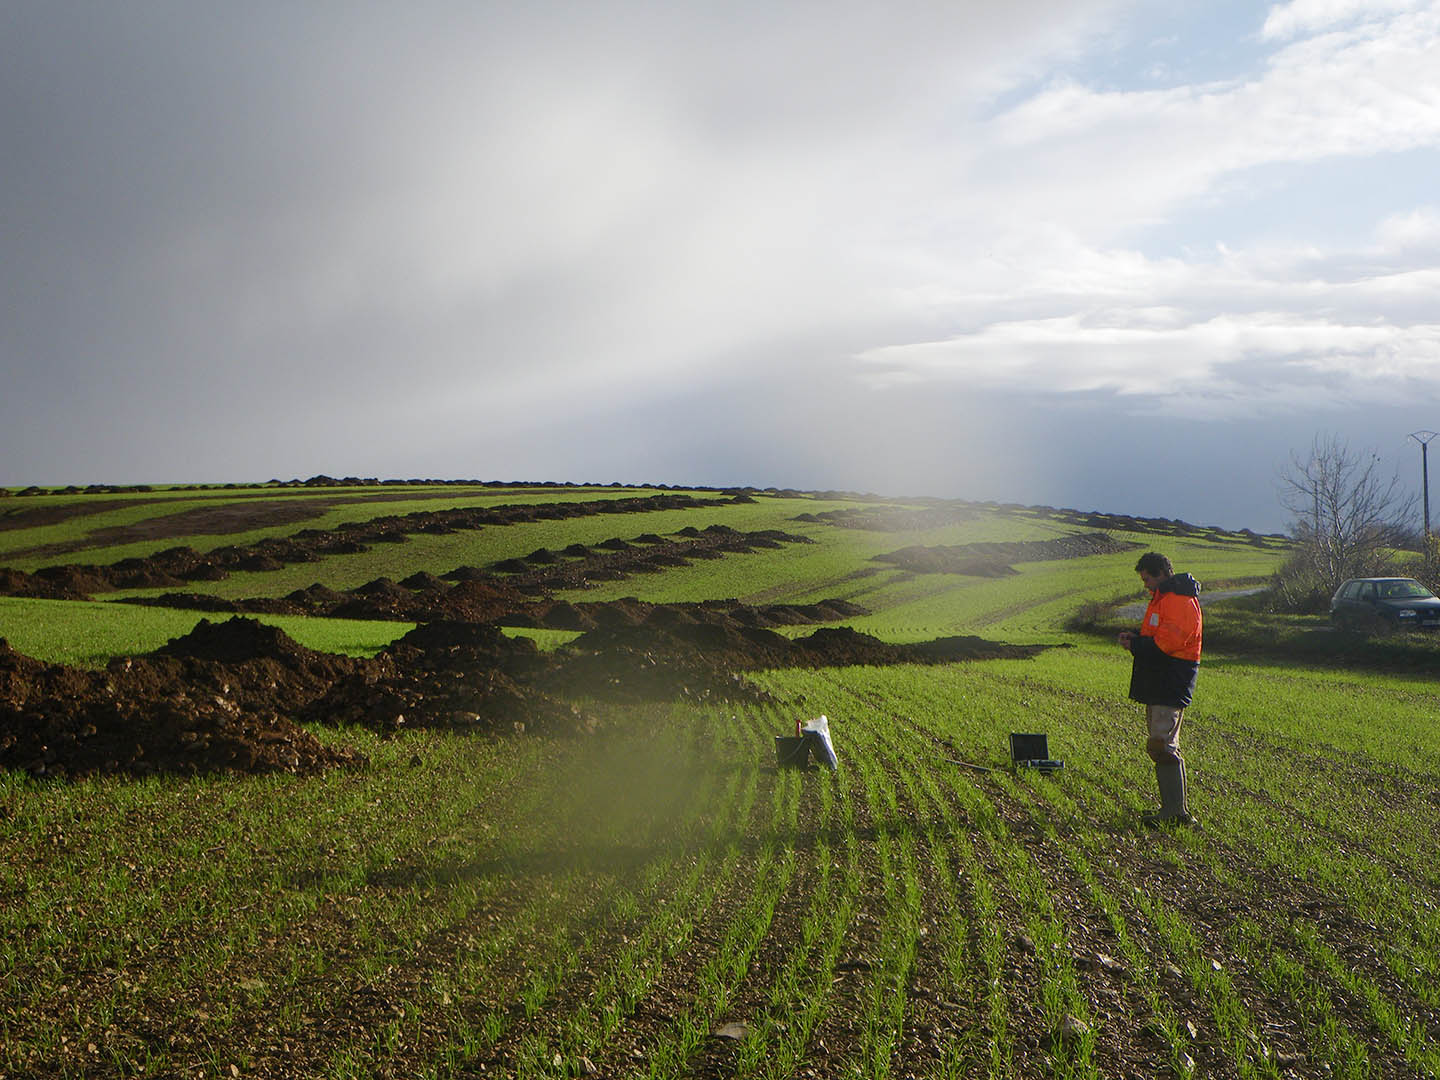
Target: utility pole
<point>1423,438</point>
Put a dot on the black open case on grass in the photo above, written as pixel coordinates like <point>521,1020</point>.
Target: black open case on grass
<point>1032,752</point>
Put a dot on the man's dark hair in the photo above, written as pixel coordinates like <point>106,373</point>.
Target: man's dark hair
<point>1156,565</point>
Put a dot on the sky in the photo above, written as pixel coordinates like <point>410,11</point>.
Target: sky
<point>1099,254</point>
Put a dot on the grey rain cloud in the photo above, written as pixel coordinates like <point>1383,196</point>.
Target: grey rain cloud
<point>602,241</point>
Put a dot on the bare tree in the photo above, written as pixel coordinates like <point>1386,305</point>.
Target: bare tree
<point>1348,516</point>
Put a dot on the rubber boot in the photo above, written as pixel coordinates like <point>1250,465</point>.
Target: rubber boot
<point>1170,778</point>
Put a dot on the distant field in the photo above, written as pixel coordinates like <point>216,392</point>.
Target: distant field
<point>43,530</point>
<point>658,900</point>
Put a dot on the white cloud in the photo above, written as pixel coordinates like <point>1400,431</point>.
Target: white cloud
<point>1411,230</point>
<point>1226,366</point>
<point>1224,337</point>
<point>1050,299</point>
<point>1102,161</point>
<point>1307,16</point>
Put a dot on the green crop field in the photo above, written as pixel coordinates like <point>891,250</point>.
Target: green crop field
<point>657,899</point>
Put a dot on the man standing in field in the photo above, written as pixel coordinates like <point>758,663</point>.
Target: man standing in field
<point>1162,676</point>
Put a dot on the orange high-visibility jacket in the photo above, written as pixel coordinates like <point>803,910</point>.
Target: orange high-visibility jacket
<point>1167,650</point>
<point>1173,618</point>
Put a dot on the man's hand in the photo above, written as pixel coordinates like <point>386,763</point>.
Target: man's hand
<point>1125,637</point>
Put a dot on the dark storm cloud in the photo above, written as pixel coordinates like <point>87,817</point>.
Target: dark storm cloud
<point>480,239</point>
<point>310,221</point>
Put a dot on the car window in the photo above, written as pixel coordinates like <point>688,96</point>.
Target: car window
<point>1407,590</point>
<point>1367,590</point>
<point>1350,590</point>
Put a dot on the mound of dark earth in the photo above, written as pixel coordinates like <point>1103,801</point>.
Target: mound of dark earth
<point>721,642</point>
<point>994,559</point>
<point>172,715</point>
<point>175,566</point>
<point>512,591</point>
<point>675,654</point>
<point>227,696</point>
<point>478,596</point>
<point>895,518</point>
<point>455,675</point>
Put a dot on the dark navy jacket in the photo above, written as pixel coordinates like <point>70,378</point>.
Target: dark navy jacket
<point>1156,677</point>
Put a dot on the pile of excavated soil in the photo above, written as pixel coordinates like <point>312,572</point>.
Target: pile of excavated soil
<point>175,566</point>
<point>173,713</point>
<point>673,654</point>
<point>226,696</point>
<point>894,518</point>
<point>481,597</point>
<point>453,675</point>
<point>994,559</point>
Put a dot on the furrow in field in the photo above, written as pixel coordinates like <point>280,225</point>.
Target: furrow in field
<point>844,969</point>
<point>946,1021</point>
<point>909,999</point>
<point>1090,942</point>
<point>592,1013</point>
<point>1193,896</point>
<point>1376,907</point>
<point>683,1002</point>
<point>1335,865</point>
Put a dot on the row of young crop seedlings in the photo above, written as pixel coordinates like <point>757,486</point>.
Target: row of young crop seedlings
<point>268,960</point>
<point>952,877</point>
<point>792,1011</point>
<point>1192,948</point>
<point>196,906</point>
<point>558,987</point>
<point>985,871</point>
<point>778,1033</point>
<point>130,906</point>
<point>791,995</point>
<point>940,707</point>
<point>1285,957</point>
<point>216,893</point>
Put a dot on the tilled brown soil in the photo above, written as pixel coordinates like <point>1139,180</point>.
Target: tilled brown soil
<point>251,510</point>
<point>33,517</point>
